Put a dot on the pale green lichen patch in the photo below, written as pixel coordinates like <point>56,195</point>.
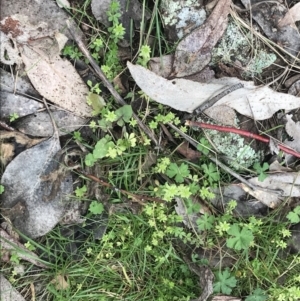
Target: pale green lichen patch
<point>237,153</point>
<point>236,45</point>
<point>233,148</point>
<point>261,61</point>
<point>183,15</point>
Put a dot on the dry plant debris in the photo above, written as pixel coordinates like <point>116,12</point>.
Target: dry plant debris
<point>53,77</point>
<point>258,103</point>
<point>38,187</point>
<point>35,184</point>
<point>193,53</point>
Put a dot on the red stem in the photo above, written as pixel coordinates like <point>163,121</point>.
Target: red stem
<point>247,134</point>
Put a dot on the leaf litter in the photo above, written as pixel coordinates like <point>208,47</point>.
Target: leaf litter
<point>258,103</point>
<point>40,125</point>
<point>193,53</point>
<point>37,188</point>
<point>53,77</point>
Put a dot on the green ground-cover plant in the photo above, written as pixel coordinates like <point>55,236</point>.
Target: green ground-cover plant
<point>13,117</point>
<point>135,259</point>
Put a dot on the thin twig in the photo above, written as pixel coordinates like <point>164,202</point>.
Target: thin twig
<point>107,84</point>
<point>137,197</point>
<point>6,126</point>
<point>242,133</point>
<point>55,129</point>
<point>286,69</point>
<point>211,101</point>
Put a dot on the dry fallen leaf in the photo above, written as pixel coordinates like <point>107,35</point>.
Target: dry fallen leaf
<point>293,129</point>
<point>245,206</point>
<point>189,219</point>
<point>259,103</point>
<point>13,143</point>
<point>225,298</point>
<point>40,125</point>
<point>8,292</point>
<point>268,14</point>
<point>162,66</point>
<point>188,152</point>
<point>282,184</point>
<point>180,94</point>
<point>193,53</point>
<point>15,96</point>
<point>63,3</point>
<point>12,245</point>
<point>9,54</point>
<point>39,11</point>
<point>53,77</point>
<point>60,282</point>
<point>291,16</point>
<point>57,80</point>
<point>36,188</point>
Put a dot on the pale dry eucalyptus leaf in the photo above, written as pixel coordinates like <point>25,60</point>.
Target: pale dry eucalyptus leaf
<point>40,125</point>
<point>9,54</point>
<point>225,298</point>
<point>291,16</point>
<point>53,77</point>
<point>277,167</point>
<point>245,207</point>
<point>189,219</point>
<point>36,189</point>
<point>58,81</point>
<point>63,3</point>
<point>193,53</point>
<point>288,184</point>
<point>180,94</point>
<point>259,103</point>
<point>39,11</point>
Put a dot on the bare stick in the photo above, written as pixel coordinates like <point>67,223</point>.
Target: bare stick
<point>107,84</point>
